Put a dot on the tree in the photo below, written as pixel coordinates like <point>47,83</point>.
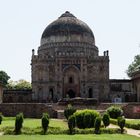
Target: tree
<point>23,84</point>
<point>4,77</point>
<point>70,110</point>
<point>133,66</point>
<point>121,123</point>
<point>71,123</point>
<point>45,122</point>
<point>106,119</point>
<point>19,85</point>
<point>97,125</point>
<point>19,123</point>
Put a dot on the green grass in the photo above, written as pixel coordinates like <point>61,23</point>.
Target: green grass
<point>32,131</point>
<point>133,121</point>
<point>33,126</point>
<point>70,137</point>
<point>33,123</point>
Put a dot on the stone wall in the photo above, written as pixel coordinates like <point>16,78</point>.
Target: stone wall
<point>17,96</point>
<point>132,110</point>
<point>33,110</point>
<point>121,91</point>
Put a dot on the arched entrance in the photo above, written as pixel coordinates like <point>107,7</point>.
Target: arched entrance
<point>71,93</point>
<point>126,98</point>
<point>71,82</point>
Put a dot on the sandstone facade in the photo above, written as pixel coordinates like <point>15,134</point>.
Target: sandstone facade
<point>17,96</point>
<point>121,90</point>
<point>68,64</point>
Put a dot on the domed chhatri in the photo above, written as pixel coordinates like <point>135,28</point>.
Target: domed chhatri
<point>68,63</point>
<point>68,25</point>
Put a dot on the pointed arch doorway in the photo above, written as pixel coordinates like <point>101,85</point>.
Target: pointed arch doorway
<point>71,82</point>
<point>71,93</point>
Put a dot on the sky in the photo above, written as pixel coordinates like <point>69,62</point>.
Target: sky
<point>115,24</point>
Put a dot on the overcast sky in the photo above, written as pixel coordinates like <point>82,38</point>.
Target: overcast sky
<point>115,24</point>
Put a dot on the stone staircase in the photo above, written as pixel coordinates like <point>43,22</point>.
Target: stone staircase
<point>99,107</point>
<point>60,114</point>
<point>60,109</point>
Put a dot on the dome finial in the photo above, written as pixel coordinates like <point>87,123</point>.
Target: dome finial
<point>67,14</point>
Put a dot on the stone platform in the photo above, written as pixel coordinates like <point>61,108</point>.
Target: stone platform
<point>78,101</point>
<point>56,110</point>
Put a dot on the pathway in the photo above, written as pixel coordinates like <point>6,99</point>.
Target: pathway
<point>1,133</point>
<point>129,131</point>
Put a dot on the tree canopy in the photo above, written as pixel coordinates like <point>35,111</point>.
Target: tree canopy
<point>19,85</point>
<point>4,77</point>
<point>133,66</point>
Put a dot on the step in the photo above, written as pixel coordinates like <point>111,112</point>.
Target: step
<point>60,114</point>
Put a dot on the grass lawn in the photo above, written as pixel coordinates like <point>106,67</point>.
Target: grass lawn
<point>70,137</point>
<point>33,123</point>
<point>55,125</point>
<point>33,126</point>
<point>133,121</point>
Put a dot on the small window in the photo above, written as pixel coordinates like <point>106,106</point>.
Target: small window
<point>70,80</point>
<point>90,92</point>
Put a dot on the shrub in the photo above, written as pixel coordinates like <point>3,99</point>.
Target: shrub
<point>71,123</point>
<point>85,118</point>
<point>18,123</point>
<point>69,111</point>
<point>106,119</point>
<point>121,123</point>
<point>133,126</point>
<point>45,122</point>
<point>97,125</point>
<point>114,112</point>
<point>1,117</point>
<point>79,119</point>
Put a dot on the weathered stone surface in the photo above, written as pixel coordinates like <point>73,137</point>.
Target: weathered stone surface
<point>132,110</point>
<point>28,109</point>
<point>68,64</point>
<point>78,101</point>
<point>17,96</point>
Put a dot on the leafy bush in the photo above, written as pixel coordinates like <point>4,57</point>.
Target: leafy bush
<point>133,126</point>
<point>18,123</point>
<point>69,111</point>
<point>1,117</point>
<point>97,125</point>
<point>110,130</point>
<point>71,123</point>
<point>114,112</point>
<point>106,119</point>
<point>85,118</point>
<point>45,122</point>
<point>79,116</point>
<point>121,123</point>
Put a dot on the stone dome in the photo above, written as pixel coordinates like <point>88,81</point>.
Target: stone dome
<point>67,28</point>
